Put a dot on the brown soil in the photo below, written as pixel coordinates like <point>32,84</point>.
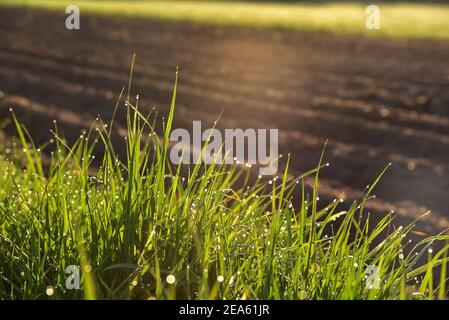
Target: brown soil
<point>377,101</point>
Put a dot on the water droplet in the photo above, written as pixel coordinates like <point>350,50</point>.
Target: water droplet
<point>50,291</point>
<point>170,279</point>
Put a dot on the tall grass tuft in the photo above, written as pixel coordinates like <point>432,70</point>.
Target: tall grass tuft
<point>141,228</point>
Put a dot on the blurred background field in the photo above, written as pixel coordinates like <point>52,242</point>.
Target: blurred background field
<point>399,20</point>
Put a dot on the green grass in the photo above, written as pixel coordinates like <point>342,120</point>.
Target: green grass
<point>135,222</point>
<point>398,20</point>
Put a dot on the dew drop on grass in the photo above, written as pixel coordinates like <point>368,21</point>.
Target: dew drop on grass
<point>170,279</point>
<point>220,278</point>
<point>302,295</point>
<point>50,291</point>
